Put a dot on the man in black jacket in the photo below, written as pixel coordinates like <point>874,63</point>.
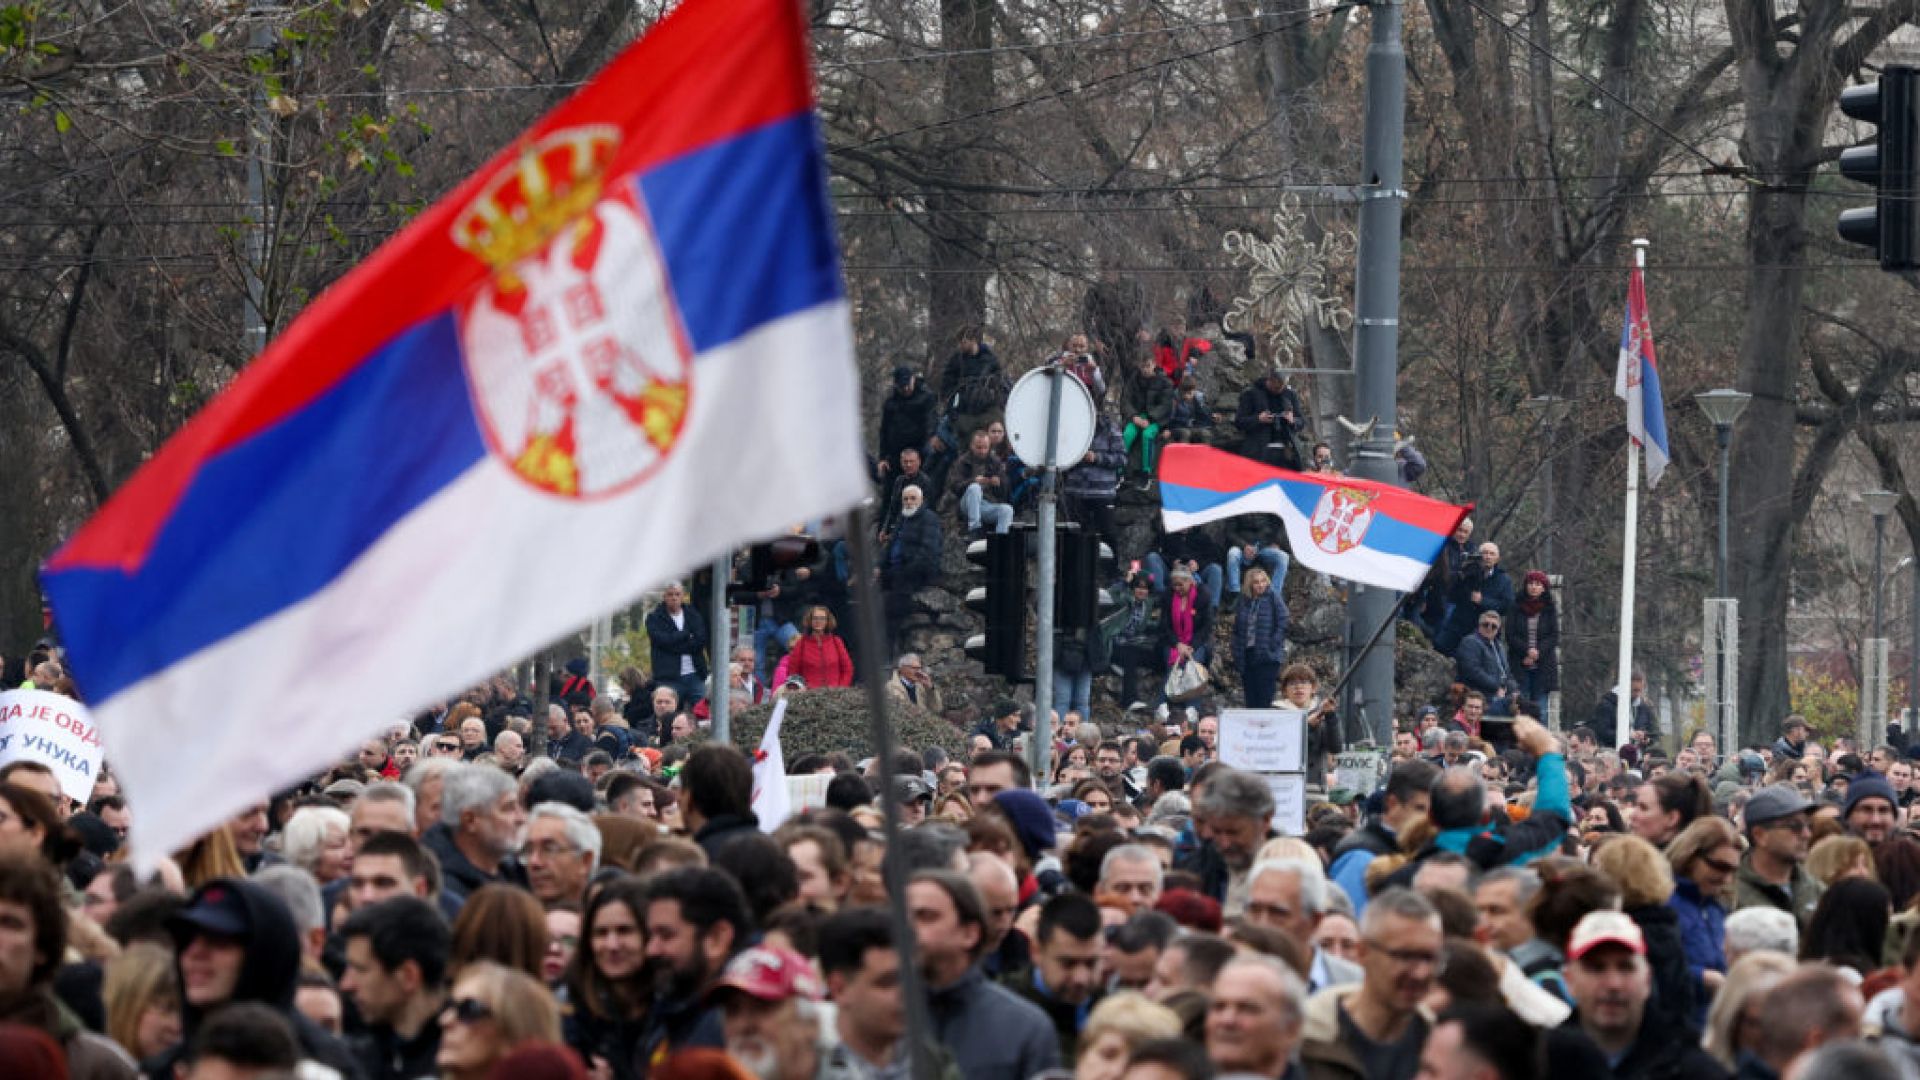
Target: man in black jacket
<point>1269,416</point>
<point>906,418</point>
<point>677,635</point>
<point>397,976</point>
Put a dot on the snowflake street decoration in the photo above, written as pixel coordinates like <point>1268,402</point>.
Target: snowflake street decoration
<point>1292,280</point>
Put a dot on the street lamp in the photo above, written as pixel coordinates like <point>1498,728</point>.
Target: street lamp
<point>1873,697</point>
<point>1722,637</point>
<point>1722,407</point>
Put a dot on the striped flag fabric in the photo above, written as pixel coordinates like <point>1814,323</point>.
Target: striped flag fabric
<point>582,372</point>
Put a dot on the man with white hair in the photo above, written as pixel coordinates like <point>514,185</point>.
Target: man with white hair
<point>1756,928</point>
<point>562,851</point>
<point>1132,871</point>
<point>1254,1017</point>
<point>385,806</point>
<point>1290,895</point>
<point>480,820</point>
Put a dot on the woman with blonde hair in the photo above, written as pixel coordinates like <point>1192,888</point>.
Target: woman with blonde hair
<point>1839,857</point>
<point>142,996</point>
<point>492,1011</point>
<point>1260,638</point>
<point>1118,1025</point>
<point>1646,884</point>
<point>1733,1022</point>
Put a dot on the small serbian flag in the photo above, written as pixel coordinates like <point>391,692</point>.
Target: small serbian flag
<point>618,350</point>
<point>1636,380</point>
<point>1360,530</point>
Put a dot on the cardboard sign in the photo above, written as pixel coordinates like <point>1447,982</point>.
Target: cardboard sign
<point>1264,740</point>
<point>1289,803</point>
<point>36,725</point>
<point>1359,771</point>
<point>808,792</point>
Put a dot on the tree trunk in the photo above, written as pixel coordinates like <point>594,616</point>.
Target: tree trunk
<point>958,263</point>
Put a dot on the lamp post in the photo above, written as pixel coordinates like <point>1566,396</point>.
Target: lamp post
<point>1873,690</point>
<point>1722,408</point>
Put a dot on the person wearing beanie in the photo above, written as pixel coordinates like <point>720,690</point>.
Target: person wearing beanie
<point>1031,818</point>
<point>1872,811</point>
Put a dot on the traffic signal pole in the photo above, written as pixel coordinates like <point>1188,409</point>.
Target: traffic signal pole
<point>1377,335</point>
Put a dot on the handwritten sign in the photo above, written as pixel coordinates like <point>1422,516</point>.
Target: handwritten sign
<point>1289,802</point>
<point>808,792</point>
<point>1264,740</point>
<point>1359,771</point>
<point>56,731</point>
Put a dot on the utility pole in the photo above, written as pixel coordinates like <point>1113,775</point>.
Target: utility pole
<point>1377,332</point>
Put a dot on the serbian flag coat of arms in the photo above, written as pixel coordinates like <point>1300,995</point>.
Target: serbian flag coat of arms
<point>619,349</point>
<point>1360,530</point>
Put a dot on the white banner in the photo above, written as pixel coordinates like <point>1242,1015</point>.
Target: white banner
<point>36,725</point>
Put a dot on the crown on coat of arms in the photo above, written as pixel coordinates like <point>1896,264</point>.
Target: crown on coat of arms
<point>552,187</point>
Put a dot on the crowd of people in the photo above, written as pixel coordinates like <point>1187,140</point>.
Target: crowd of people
<point>453,905</point>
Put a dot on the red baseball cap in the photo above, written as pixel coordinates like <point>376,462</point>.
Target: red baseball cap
<point>770,974</point>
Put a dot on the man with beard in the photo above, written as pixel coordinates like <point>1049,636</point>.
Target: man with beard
<point>993,1033</point>
<point>696,919</point>
<point>1232,813</point>
<point>769,1006</point>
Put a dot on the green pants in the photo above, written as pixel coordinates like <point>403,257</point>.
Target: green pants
<point>1148,438</point>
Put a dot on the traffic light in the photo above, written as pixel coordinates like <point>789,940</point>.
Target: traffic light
<point>1890,163</point>
<point>1085,562</point>
<point>1002,649</point>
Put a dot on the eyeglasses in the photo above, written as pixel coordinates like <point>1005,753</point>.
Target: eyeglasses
<point>550,849</point>
<point>469,1010</point>
<point>1409,958</point>
<point>1719,866</point>
<point>1484,623</point>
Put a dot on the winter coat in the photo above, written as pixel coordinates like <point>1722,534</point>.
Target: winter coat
<point>1604,720</point>
<point>820,661</point>
<point>1516,843</point>
<point>906,421</point>
<point>1666,1049</point>
<point>669,645</point>
<point>1260,629</point>
<point>1481,664</point>
<point>992,1033</point>
<point>1547,639</point>
<point>1673,983</point>
<point>1797,898</point>
<point>1150,396</point>
<point>890,513</point>
<point>1202,618</point>
<point>1703,930</point>
<point>1098,480</point>
<point>716,833</point>
<point>90,1056</point>
<point>1324,1055</point>
<point>969,469</point>
<point>269,975</point>
<point>972,384</point>
<point>912,560</point>
<point>1256,435</point>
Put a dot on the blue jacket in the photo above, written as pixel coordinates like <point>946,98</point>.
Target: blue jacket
<point>913,557</point>
<point>1482,664</point>
<point>1703,933</point>
<point>1260,629</point>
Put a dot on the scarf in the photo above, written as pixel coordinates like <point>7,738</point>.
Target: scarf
<point>1182,623</point>
<point>1533,605</point>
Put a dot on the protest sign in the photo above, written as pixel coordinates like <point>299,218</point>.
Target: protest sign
<point>1359,771</point>
<point>1264,740</point>
<point>36,725</point>
<point>1289,803</point>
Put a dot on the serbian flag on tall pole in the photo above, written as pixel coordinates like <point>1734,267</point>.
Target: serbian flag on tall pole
<point>1359,530</point>
<point>1636,380</point>
<point>582,372</point>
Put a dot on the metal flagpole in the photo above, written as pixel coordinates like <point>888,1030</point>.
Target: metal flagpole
<point>717,642</point>
<point>1041,750</point>
<point>866,640</point>
<point>1623,690</point>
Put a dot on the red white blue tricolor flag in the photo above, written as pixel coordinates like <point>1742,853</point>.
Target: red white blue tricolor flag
<point>619,349</point>
<point>1360,530</point>
<point>1637,380</point>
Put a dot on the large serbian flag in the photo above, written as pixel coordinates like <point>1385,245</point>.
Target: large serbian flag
<point>1636,380</point>
<point>1360,530</point>
<point>617,350</point>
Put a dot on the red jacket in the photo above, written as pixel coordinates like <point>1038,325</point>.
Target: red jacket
<point>820,661</point>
